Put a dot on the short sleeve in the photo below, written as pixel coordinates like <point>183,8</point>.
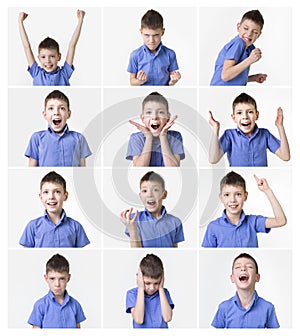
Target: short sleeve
<point>219,318</point>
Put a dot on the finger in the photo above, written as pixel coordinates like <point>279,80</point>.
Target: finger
<point>256,178</point>
<point>135,216</point>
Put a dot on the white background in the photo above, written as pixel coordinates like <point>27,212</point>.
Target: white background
<point>276,61</point>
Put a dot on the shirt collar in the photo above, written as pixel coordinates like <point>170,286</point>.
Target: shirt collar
<point>62,218</point>
<point>241,220</point>
<point>157,50</point>
<point>238,303</point>
<point>66,298</point>
<point>163,213</point>
<point>65,131</point>
<point>255,131</point>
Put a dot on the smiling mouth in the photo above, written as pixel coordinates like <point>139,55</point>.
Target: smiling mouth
<point>244,278</point>
<point>151,203</point>
<point>245,124</point>
<point>155,126</point>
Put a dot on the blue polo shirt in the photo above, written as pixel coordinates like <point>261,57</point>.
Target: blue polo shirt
<point>234,50</point>
<point>231,314</point>
<point>51,149</point>
<point>60,76</point>
<point>137,142</point>
<point>221,233</point>
<point>152,315</point>
<point>157,66</point>
<point>48,313</point>
<point>42,232</point>
<point>248,151</point>
<point>165,231</point>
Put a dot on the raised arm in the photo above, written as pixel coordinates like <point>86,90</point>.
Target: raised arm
<point>130,223</point>
<point>170,159</point>
<point>24,38</point>
<point>215,151</point>
<point>138,79</point>
<point>279,218</point>
<point>166,309</point>
<point>75,37</point>
<point>138,311</point>
<point>284,150</point>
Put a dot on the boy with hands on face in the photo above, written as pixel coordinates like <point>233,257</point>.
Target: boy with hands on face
<point>155,144</point>
<point>150,303</point>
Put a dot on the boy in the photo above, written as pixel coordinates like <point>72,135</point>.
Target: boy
<point>57,146</point>
<point>49,73</point>
<point>234,228</point>
<point>54,228</point>
<point>57,309</point>
<point>153,63</point>
<point>246,309</point>
<point>155,144</point>
<point>150,303</point>
<point>234,60</point>
<point>247,144</point>
<point>153,227</point>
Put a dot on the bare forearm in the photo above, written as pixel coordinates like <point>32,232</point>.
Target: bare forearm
<point>230,72</point>
<point>215,151</point>
<point>138,311</point>
<point>166,309</point>
<point>143,160</point>
<point>284,150</point>
<point>170,160</point>
<point>280,218</point>
<point>135,239</point>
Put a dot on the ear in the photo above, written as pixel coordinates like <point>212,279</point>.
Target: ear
<point>233,117</point>
<point>238,26</point>
<point>69,277</point>
<point>163,31</point>
<point>257,277</point>
<point>232,278</point>
<point>257,115</point>
<point>246,196</point>
<point>165,194</point>
<point>59,56</point>
<point>66,196</point>
<point>44,114</point>
<point>45,277</point>
<point>69,114</point>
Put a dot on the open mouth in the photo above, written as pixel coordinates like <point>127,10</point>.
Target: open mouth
<point>151,203</point>
<point>56,122</point>
<point>245,124</point>
<point>243,278</point>
<point>155,126</point>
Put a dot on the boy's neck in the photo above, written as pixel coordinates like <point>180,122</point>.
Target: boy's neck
<point>245,296</point>
<point>59,298</point>
<point>157,214</point>
<point>55,217</point>
<point>234,219</point>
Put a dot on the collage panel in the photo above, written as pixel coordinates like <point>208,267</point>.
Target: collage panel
<point>176,223</point>
<point>180,279</point>
<point>32,115</point>
<point>273,110</point>
<point>32,226</point>
<point>124,119</point>
<point>260,199</point>
<point>67,21</point>
<point>273,285</point>
<point>82,282</point>
<point>120,42</point>
<point>225,28</point>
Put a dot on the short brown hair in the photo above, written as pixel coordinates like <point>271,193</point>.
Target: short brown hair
<point>156,97</point>
<point>247,256</point>
<point>54,178</point>
<point>234,179</point>
<point>255,16</point>
<point>152,19</point>
<point>49,43</point>
<point>151,266</point>
<point>56,94</point>
<point>153,177</point>
<point>58,263</point>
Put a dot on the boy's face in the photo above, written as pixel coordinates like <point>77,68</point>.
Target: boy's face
<point>53,196</point>
<point>233,198</point>
<point>49,59</point>
<point>249,31</point>
<point>152,196</point>
<point>244,274</point>
<point>151,285</point>
<point>57,282</point>
<point>57,113</point>
<point>152,37</point>
<point>245,117</point>
<point>155,116</point>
